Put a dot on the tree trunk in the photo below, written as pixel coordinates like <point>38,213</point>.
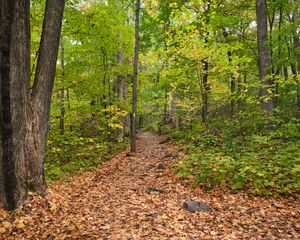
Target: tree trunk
<point>25,118</point>
<point>205,86</point>
<point>173,111</point>
<point>14,77</point>
<point>232,85</point>
<point>279,65</point>
<point>121,90</point>
<point>62,91</point>
<point>42,89</point>
<point>205,90</point>
<point>264,57</point>
<point>135,77</point>
<point>127,117</point>
<point>296,47</point>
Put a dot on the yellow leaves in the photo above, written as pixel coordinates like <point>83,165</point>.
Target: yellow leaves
<point>2,230</point>
<point>180,217</point>
<point>20,225</point>
<point>53,207</point>
<point>7,224</point>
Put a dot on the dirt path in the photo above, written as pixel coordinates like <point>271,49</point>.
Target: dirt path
<point>113,203</point>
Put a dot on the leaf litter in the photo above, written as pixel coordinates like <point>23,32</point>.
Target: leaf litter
<point>114,202</point>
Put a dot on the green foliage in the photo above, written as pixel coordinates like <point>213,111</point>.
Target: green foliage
<point>259,164</point>
<point>75,153</point>
<point>235,145</point>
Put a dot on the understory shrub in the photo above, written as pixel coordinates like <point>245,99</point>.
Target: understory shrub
<point>259,164</point>
<point>73,153</point>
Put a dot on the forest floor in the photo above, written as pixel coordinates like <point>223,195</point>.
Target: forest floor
<point>117,201</point>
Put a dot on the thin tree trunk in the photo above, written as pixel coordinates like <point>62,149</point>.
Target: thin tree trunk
<point>127,117</point>
<point>205,91</point>
<point>205,85</point>
<point>279,65</point>
<point>135,77</point>
<point>296,40</point>
<point>264,57</point>
<point>165,117</point>
<point>62,91</point>
<point>121,90</point>
<point>232,85</point>
<point>285,72</point>
<point>173,111</point>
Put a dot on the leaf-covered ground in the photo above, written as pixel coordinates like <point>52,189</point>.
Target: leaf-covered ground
<point>114,202</point>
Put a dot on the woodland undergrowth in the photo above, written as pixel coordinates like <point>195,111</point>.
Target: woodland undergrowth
<point>240,156</point>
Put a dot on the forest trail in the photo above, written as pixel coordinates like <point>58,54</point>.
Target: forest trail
<point>114,202</point>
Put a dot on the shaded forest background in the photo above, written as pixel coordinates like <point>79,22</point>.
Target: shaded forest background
<point>198,83</point>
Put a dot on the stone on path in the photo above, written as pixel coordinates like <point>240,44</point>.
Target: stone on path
<point>163,141</point>
<point>195,206</point>
<point>161,166</point>
<point>155,190</point>
<point>154,214</point>
<point>171,155</point>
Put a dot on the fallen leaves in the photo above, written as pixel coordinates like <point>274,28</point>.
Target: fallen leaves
<point>112,202</point>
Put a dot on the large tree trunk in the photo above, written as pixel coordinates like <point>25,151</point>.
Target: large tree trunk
<point>25,118</point>
<point>135,76</point>
<point>14,77</point>
<point>264,57</point>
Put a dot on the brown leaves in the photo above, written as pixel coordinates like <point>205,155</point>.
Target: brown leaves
<point>112,203</point>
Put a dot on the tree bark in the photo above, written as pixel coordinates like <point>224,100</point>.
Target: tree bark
<point>14,77</point>
<point>264,57</point>
<point>135,76</point>
<point>42,88</point>
<point>25,118</point>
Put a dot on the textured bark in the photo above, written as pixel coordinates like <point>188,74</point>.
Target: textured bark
<point>264,57</point>
<point>24,117</point>
<point>135,77</point>
<point>42,88</point>
<point>15,76</point>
